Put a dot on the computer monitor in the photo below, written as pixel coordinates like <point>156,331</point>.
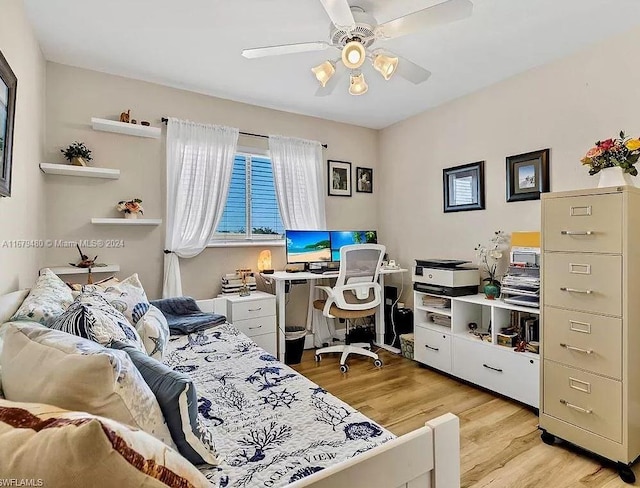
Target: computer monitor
<point>308,246</point>
<point>341,238</point>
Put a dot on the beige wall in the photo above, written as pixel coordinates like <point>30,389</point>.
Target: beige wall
<point>75,95</point>
<point>565,106</point>
<point>22,215</point>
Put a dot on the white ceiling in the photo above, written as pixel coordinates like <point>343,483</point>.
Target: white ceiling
<point>196,45</point>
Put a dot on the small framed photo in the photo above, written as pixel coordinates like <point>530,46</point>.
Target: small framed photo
<point>364,180</point>
<point>527,176</point>
<point>339,178</point>
<point>463,187</point>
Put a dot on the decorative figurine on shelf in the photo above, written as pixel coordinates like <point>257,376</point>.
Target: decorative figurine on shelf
<point>243,273</point>
<point>125,116</point>
<point>131,208</point>
<point>145,123</point>
<point>77,154</point>
<point>86,263</point>
<point>489,257</point>
<point>134,121</point>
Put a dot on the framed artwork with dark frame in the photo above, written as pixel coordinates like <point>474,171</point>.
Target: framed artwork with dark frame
<point>364,180</point>
<point>463,187</point>
<point>339,178</point>
<point>8,83</point>
<point>527,176</point>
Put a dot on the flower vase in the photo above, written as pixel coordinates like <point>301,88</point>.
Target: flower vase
<point>130,215</point>
<point>614,176</point>
<point>491,291</point>
<point>78,161</point>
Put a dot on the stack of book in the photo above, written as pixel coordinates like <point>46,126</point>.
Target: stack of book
<point>435,302</point>
<point>232,282</point>
<point>438,319</point>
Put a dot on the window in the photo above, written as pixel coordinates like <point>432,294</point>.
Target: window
<point>251,212</point>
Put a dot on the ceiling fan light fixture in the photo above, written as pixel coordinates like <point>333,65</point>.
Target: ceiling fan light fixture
<point>353,54</point>
<point>324,72</point>
<point>385,65</point>
<point>357,85</point>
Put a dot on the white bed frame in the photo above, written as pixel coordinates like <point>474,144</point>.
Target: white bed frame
<point>428,457</point>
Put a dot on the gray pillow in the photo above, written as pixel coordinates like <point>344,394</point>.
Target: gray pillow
<point>178,401</point>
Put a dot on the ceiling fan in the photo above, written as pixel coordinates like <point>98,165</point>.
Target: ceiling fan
<point>354,32</point>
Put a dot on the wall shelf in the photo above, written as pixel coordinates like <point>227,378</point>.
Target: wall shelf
<point>123,221</point>
<point>71,270</point>
<point>85,171</point>
<point>137,130</point>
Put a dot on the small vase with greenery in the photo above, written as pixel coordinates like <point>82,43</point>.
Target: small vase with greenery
<point>489,258</point>
<point>77,153</point>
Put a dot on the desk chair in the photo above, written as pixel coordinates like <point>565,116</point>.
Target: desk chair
<point>356,294</point>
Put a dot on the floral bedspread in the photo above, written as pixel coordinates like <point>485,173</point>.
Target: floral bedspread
<point>270,425</point>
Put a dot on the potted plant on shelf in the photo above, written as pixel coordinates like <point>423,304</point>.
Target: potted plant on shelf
<point>614,159</point>
<point>131,208</point>
<point>77,153</point>
<point>489,258</point>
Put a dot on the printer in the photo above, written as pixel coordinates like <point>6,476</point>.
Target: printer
<point>447,277</point>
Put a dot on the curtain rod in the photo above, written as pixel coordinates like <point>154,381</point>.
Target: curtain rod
<point>251,134</point>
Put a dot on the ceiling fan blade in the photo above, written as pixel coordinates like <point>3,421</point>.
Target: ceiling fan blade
<point>260,52</point>
<point>440,14</point>
<point>411,71</point>
<point>339,12</point>
<point>327,90</point>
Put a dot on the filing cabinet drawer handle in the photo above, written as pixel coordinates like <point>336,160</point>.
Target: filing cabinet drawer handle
<point>491,367</point>
<point>432,348</point>
<point>254,309</point>
<point>577,232</point>
<point>577,349</point>
<point>576,290</point>
<point>576,407</point>
<point>254,328</point>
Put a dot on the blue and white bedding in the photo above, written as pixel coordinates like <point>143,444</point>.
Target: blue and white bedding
<point>269,424</point>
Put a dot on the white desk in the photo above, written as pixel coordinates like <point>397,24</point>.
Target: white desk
<point>282,277</point>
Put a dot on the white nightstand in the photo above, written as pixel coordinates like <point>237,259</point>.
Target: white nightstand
<point>255,316</point>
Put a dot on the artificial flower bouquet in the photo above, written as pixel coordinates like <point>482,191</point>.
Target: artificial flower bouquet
<point>130,206</point>
<point>623,152</point>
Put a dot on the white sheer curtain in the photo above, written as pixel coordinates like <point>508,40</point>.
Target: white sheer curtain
<point>298,176</point>
<point>199,166</point>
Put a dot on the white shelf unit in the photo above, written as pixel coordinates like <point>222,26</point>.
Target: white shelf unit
<point>71,270</point>
<point>137,130</point>
<point>82,171</point>
<point>123,221</point>
<point>456,351</point>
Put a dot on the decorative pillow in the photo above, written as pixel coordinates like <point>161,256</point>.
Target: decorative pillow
<point>178,401</point>
<point>10,303</point>
<point>91,316</point>
<point>127,296</point>
<point>154,331</point>
<point>42,365</point>
<point>48,298</point>
<point>64,448</point>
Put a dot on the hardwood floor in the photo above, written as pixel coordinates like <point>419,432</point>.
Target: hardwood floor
<point>500,441</point>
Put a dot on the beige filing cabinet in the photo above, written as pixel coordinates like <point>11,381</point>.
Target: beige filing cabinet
<point>255,316</point>
<point>590,381</point>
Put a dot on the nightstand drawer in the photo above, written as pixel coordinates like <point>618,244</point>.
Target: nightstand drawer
<point>266,342</point>
<point>250,309</point>
<point>583,399</point>
<point>584,341</point>
<point>257,326</point>
<point>585,282</point>
<point>584,223</point>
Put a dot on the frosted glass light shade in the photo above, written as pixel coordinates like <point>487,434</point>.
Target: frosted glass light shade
<point>324,72</point>
<point>385,65</point>
<point>357,85</point>
<point>264,260</point>
<point>353,55</point>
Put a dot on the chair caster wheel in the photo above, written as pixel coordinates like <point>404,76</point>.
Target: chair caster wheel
<point>344,368</point>
<point>626,474</point>
<point>318,358</point>
<point>377,363</point>
<point>547,438</point>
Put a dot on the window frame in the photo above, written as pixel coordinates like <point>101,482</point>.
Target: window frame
<point>248,239</point>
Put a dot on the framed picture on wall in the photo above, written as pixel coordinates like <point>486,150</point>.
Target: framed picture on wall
<point>527,175</point>
<point>364,180</point>
<point>8,83</point>
<point>463,187</point>
<point>339,178</point>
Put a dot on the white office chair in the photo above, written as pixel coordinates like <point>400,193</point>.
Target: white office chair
<point>356,294</point>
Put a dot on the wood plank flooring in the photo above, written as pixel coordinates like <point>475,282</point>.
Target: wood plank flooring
<point>500,441</point>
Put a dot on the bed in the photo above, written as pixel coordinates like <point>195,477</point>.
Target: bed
<point>271,427</point>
